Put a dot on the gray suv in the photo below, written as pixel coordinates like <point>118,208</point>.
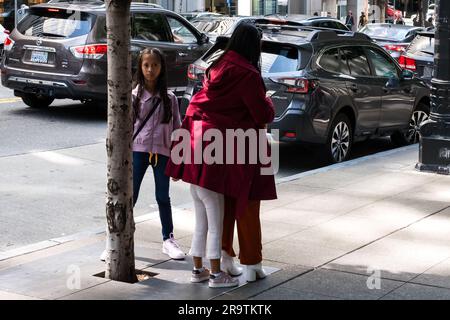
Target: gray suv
<point>58,50</point>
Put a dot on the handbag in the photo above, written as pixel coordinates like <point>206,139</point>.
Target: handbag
<point>146,119</point>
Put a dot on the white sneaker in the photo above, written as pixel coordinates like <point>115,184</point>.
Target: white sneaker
<point>172,249</point>
<point>104,255</point>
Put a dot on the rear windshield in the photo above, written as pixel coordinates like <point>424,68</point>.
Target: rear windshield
<point>214,26</point>
<point>385,32</point>
<point>274,58</point>
<point>422,46</point>
<point>56,23</point>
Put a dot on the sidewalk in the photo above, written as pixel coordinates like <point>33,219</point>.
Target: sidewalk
<point>371,228</point>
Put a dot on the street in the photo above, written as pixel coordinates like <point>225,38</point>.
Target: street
<point>61,204</point>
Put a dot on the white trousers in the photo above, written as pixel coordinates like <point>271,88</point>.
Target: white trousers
<point>209,211</point>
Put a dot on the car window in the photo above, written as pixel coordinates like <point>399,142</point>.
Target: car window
<point>149,27</point>
<point>332,62</point>
<point>382,66</point>
<point>275,58</point>
<point>422,46</point>
<point>356,60</point>
<point>180,32</point>
<point>388,32</point>
<point>56,24</point>
<point>215,26</point>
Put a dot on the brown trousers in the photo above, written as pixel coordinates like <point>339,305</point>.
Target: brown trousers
<point>249,231</point>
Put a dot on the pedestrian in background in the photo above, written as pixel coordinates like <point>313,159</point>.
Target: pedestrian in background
<point>350,21</point>
<point>362,20</point>
<point>232,97</point>
<point>156,116</point>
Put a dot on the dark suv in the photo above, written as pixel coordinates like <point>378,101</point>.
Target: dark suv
<point>59,50</point>
<point>331,89</point>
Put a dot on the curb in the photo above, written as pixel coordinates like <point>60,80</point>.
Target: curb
<point>154,214</point>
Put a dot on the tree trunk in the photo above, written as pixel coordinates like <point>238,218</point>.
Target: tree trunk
<point>382,4</point>
<point>119,204</point>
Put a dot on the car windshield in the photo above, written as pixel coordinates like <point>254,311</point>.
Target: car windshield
<point>385,32</point>
<point>274,58</point>
<point>214,26</point>
<point>422,46</point>
<point>57,23</point>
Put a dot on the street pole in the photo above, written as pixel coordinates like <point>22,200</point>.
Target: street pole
<point>15,13</point>
<point>434,153</point>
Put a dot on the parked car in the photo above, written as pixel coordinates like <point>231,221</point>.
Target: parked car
<point>59,50</point>
<point>3,35</point>
<point>419,56</point>
<point>196,14</point>
<point>330,88</point>
<point>321,22</point>
<point>394,38</point>
<point>224,25</point>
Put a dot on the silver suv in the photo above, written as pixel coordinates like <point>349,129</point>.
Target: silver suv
<point>58,50</point>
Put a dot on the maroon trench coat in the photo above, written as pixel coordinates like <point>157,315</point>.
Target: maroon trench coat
<point>233,97</point>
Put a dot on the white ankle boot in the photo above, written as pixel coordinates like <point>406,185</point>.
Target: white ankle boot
<point>228,265</point>
<point>253,272</point>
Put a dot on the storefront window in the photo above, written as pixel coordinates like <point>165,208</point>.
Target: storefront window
<point>266,7</point>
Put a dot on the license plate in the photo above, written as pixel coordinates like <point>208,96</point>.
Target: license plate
<point>427,72</point>
<point>39,56</point>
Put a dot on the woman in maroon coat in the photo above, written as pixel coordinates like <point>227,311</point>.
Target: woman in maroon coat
<point>233,97</point>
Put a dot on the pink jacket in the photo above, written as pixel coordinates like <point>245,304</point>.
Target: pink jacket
<point>155,136</point>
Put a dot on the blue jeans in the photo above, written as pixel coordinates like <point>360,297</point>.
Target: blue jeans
<point>141,161</point>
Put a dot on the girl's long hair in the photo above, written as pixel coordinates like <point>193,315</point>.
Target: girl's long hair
<point>161,84</point>
<point>246,41</point>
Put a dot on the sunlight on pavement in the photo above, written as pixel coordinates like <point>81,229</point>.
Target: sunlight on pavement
<point>57,158</point>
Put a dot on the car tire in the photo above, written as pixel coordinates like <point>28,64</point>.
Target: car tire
<point>420,114</point>
<point>36,101</point>
<point>340,139</point>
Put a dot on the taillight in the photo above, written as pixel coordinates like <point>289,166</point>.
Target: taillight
<point>407,63</point>
<point>8,43</point>
<point>194,72</point>
<point>295,85</point>
<point>91,51</point>
<point>393,47</point>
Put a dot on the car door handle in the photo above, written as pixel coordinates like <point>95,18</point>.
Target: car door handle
<point>182,54</point>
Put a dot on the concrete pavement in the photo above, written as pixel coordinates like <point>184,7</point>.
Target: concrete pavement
<point>371,228</point>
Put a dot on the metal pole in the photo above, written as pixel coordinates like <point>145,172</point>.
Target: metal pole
<point>434,153</point>
<point>15,13</point>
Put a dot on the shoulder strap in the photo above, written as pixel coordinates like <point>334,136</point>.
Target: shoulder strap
<point>146,119</point>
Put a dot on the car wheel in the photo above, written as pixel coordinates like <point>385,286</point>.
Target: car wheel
<point>418,117</point>
<point>340,139</point>
<point>36,101</point>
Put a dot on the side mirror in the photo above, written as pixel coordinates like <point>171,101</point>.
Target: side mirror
<point>204,39</point>
<point>407,74</point>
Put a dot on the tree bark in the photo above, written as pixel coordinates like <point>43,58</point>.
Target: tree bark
<point>120,263</point>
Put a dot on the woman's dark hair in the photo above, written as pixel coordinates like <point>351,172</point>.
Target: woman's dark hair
<point>245,40</point>
<point>161,84</point>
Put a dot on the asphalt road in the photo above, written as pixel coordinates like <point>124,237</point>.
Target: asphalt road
<point>39,215</point>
